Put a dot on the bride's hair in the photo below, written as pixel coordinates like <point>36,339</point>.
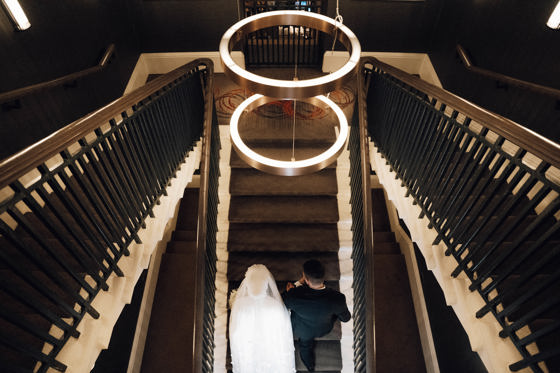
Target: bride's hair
<point>314,271</point>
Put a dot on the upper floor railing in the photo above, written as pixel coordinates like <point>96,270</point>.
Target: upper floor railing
<point>71,205</point>
<point>24,91</point>
<point>490,188</point>
<point>505,79</point>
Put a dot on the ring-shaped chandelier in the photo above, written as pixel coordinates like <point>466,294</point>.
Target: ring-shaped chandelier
<point>287,168</point>
<point>309,89</point>
<point>289,88</point>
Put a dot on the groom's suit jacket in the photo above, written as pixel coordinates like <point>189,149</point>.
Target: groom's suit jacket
<point>313,312</point>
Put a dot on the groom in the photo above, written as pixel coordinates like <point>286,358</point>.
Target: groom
<point>314,309</point>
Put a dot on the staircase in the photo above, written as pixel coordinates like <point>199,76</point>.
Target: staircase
<point>398,347</point>
<point>283,221</point>
<point>169,339</point>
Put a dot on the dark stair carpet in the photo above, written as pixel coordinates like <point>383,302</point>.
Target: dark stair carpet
<point>283,221</point>
<point>398,347</point>
<point>282,237</point>
<point>251,182</point>
<point>171,327</point>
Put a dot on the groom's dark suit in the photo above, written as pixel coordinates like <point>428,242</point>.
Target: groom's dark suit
<point>313,313</point>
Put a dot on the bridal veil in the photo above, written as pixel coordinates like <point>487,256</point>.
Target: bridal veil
<point>260,330</point>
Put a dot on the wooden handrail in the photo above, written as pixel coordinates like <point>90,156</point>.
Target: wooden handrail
<point>368,227</point>
<point>13,167</point>
<point>198,331</point>
<point>463,55</point>
<point>523,137</point>
<point>20,92</point>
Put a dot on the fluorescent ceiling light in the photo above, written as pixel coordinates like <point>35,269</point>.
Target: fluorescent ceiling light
<point>17,14</point>
<point>554,20</point>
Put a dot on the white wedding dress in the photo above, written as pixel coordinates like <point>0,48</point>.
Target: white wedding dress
<point>260,330</point>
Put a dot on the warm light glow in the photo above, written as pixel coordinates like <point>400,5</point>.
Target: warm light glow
<point>17,14</point>
<point>554,20</point>
<point>289,88</point>
<point>287,168</point>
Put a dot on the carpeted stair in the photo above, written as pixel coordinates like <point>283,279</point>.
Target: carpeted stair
<point>283,221</point>
<point>398,347</point>
<point>169,339</point>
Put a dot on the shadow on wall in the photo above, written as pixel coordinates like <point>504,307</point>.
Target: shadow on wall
<point>509,37</point>
<point>64,38</point>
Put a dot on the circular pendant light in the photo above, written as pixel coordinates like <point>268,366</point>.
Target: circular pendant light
<point>287,168</point>
<point>310,90</point>
<point>289,88</point>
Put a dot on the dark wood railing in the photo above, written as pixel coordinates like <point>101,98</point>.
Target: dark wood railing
<point>71,205</point>
<point>538,88</point>
<point>491,190</point>
<point>362,240</point>
<point>21,92</point>
<point>203,348</point>
<point>284,45</point>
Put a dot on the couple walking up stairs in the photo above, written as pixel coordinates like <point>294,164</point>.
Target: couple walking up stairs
<point>280,222</point>
<point>283,221</point>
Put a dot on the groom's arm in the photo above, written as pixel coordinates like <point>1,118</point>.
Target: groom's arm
<point>343,314</point>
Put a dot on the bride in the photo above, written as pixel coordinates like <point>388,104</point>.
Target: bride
<point>260,330</point>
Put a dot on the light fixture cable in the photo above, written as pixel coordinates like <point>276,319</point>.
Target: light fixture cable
<point>338,19</point>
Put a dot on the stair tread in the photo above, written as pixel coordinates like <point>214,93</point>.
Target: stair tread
<point>181,247</point>
<point>284,266</point>
<point>279,125</point>
<point>328,356</point>
<point>383,248</point>
<point>395,317</point>
<point>253,182</point>
<point>279,151</point>
<point>184,235</point>
<point>44,257</point>
<point>284,209</point>
<point>383,236</point>
<point>282,237</point>
<point>15,306</point>
<point>174,295</point>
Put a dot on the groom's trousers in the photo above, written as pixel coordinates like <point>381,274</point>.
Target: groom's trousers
<point>306,353</point>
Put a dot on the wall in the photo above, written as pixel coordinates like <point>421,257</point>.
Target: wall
<point>180,26</point>
<point>506,36</point>
<point>65,36</point>
<point>390,26</point>
<point>198,25</point>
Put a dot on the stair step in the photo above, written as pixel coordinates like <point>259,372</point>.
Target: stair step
<point>184,235</point>
<point>187,217</point>
<point>396,328</point>
<point>282,152</point>
<point>532,303</point>
<point>380,218</point>
<point>271,122</point>
<point>13,305</point>
<point>386,248</point>
<point>548,342</point>
<point>284,266</point>
<point>328,356</point>
<point>283,237</point>
<point>24,338</point>
<point>181,247</point>
<point>286,209</point>
<point>383,237</point>
<point>45,257</point>
<point>505,247</point>
<point>251,182</point>
<point>174,296</point>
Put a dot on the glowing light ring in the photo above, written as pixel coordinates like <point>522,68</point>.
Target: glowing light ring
<point>287,168</point>
<point>289,88</point>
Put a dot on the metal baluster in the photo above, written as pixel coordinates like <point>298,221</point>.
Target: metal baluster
<point>96,159</point>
